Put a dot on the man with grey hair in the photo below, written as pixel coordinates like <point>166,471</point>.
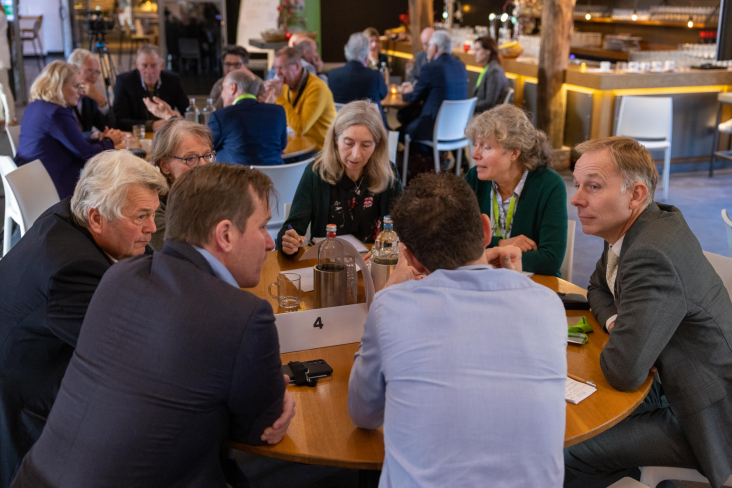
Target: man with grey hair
<point>355,81</point>
<point>443,78</point>
<point>414,66</point>
<point>148,94</point>
<point>666,311</point>
<point>48,279</point>
<point>309,50</point>
<point>92,110</point>
<point>247,131</point>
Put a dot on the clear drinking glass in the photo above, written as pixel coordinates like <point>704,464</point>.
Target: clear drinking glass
<point>138,131</point>
<point>288,291</point>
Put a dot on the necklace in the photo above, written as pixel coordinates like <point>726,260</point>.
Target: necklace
<point>358,186</point>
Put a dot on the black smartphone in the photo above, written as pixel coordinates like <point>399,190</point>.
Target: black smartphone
<point>317,368</point>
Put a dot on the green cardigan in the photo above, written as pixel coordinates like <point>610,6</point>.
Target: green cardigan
<point>311,204</point>
<point>541,215</point>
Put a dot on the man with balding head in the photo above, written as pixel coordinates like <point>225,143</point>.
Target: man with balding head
<point>414,67</point>
<point>246,131</point>
<point>309,49</point>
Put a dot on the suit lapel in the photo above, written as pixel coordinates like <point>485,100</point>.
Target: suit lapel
<point>649,213</point>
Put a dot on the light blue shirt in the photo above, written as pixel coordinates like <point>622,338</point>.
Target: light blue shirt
<point>466,371</point>
<point>219,269</point>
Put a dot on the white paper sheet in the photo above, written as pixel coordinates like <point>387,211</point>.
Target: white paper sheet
<point>575,392</point>
<point>350,239</point>
<point>306,277</point>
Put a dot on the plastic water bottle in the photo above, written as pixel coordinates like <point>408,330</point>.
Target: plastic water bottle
<point>386,246</point>
<point>192,112</point>
<point>385,72</point>
<point>330,254</point>
<point>206,112</point>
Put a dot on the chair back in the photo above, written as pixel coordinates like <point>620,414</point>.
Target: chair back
<point>728,225</point>
<point>509,96</point>
<point>453,118</point>
<point>645,118</point>
<point>393,144</point>
<point>285,178</point>
<point>339,106</point>
<point>14,131</point>
<point>34,191</point>
<point>723,266</point>
<point>568,262</point>
<point>11,204</point>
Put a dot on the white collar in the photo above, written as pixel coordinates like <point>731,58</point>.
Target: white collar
<point>144,86</point>
<point>615,248</point>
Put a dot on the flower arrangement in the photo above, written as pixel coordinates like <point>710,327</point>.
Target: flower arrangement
<point>288,15</point>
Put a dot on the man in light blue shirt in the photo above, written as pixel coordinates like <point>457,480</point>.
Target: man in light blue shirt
<point>465,368</point>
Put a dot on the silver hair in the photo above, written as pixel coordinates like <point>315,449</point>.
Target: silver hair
<point>357,47</point>
<point>78,56</point>
<point>245,84</point>
<point>149,49</point>
<point>105,181</point>
<point>442,40</point>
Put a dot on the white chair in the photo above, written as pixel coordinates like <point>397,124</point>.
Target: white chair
<point>649,120</point>
<point>33,190</point>
<point>509,96</point>
<point>12,211</point>
<point>727,221</point>
<point>393,144</point>
<point>12,132</point>
<point>568,263</point>
<point>339,106</point>
<point>448,134</point>
<point>723,266</point>
<point>651,476</point>
<point>285,178</point>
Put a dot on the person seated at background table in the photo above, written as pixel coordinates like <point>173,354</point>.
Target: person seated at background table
<point>137,92</point>
<point>151,400</point>
<point>376,59</point>
<point>515,185</point>
<point>232,58</point>
<point>414,66</point>
<point>47,280</point>
<point>666,310</point>
<point>247,131</point>
<point>50,132</point>
<point>178,146</point>
<point>443,78</point>
<point>307,100</point>
<point>355,81</point>
<point>92,111</point>
<point>462,396</point>
<point>350,184</point>
<point>294,39</point>
<point>492,83</point>
<point>309,50</point>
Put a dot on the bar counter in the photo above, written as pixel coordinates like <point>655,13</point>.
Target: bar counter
<point>593,98</point>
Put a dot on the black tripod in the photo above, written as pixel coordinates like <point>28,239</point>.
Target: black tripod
<point>98,46</point>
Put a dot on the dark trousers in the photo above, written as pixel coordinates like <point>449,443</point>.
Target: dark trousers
<point>650,436</point>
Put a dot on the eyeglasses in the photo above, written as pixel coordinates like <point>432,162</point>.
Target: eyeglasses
<point>93,71</point>
<point>233,65</point>
<point>192,161</point>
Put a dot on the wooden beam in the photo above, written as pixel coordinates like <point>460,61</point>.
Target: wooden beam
<point>556,34</point>
<point>420,17</point>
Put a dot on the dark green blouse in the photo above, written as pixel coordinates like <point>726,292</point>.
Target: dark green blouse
<point>541,215</point>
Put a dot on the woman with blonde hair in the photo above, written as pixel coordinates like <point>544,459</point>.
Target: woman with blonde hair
<point>525,199</point>
<point>376,58</point>
<point>179,145</point>
<point>350,184</point>
<point>51,132</point>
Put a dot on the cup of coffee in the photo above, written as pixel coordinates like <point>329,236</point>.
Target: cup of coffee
<point>288,291</point>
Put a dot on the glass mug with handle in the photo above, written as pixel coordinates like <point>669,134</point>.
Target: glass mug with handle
<point>288,291</point>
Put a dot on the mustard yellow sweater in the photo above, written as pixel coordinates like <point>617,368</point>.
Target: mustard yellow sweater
<point>314,111</point>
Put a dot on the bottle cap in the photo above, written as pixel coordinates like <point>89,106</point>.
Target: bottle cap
<point>387,219</point>
<point>330,230</point>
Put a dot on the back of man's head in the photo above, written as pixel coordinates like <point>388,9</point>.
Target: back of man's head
<point>207,195</point>
<point>438,220</point>
<point>442,40</point>
<point>357,48</point>
<point>245,83</point>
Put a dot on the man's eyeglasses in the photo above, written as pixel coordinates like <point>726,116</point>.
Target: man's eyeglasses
<point>192,161</point>
<point>233,65</point>
<point>93,71</point>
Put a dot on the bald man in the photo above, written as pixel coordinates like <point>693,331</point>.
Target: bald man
<point>420,59</point>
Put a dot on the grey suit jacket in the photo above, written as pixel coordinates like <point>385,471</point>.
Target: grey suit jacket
<point>675,313</point>
<point>492,88</point>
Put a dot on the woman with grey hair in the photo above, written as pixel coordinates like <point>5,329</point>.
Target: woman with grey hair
<point>178,146</point>
<point>355,81</point>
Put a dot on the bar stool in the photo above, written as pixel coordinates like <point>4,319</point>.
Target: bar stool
<point>723,99</point>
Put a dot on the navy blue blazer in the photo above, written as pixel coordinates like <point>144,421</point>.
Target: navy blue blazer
<point>129,109</point>
<point>49,132</point>
<point>90,116</point>
<point>171,362</point>
<point>354,81</point>
<point>249,133</point>
<point>444,78</point>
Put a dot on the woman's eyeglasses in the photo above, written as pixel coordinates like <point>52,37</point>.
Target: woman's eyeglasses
<point>192,161</point>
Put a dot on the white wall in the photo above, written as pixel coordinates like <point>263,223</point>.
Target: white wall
<point>51,36</point>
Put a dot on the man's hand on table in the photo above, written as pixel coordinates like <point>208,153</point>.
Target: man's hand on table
<point>275,433</point>
<point>508,257</point>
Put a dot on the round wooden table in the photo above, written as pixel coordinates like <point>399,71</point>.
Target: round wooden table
<point>297,146</point>
<point>322,432</point>
<point>393,100</point>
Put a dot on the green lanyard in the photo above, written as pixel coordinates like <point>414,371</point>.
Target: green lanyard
<point>243,97</point>
<point>509,215</point>
<point>480,78</point>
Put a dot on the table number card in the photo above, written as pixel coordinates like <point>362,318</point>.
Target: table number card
<point>575,392</point>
